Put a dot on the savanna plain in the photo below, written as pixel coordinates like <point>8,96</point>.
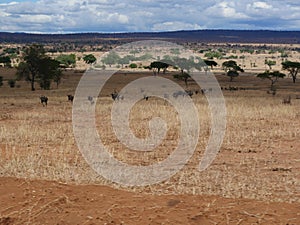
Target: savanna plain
<point>254,179</point>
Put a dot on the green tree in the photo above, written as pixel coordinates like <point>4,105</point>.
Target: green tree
<point>270,63</point>
<point>125,60</point>
<point>29,69</point>
<point>67,60</point>
<point>156,66</point>
<point>185,65</point>
<point>37,65</point>
<point>272,76</point>
<point>232,69</point>
<point>5,60</point>
<point>292,67</point>
<point>133,65</point>
<point>183,76</point>
<point>111,58</point>
<point>210,63</point>
<point>89,59</point>
<point>49,70</point>
<point>213,54</point>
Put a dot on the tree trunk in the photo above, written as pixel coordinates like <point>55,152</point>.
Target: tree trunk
<point>294,79</point>
<point>32,84</point>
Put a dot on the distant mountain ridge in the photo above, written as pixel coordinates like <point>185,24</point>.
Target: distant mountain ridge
<point>205,36</point>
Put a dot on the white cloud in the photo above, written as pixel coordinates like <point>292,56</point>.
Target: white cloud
<point>261,5</point>
<point>225,9</point>
<point>175,25</point>
<point>146,15</point>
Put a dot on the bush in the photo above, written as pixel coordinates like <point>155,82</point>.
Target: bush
<point>11,83</point>
<point>133,65</point>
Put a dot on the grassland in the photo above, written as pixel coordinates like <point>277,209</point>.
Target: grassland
<point>259,158</point>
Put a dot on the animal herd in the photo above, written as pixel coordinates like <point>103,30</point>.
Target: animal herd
<point>116,96</point>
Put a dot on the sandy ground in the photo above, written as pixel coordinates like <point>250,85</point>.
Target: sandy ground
<point>43,202</point>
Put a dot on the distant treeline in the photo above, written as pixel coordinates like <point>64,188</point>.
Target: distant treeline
<point>205,36</point>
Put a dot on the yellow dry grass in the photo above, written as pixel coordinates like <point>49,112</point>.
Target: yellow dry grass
<point>259,157</point>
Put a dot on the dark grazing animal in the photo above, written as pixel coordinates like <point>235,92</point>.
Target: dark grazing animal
<point>116,96</point>
<point>287,100</point>
<point>91,100</point>
<point>70,98</point>
<point>189,93</point>
<point>44,100</point>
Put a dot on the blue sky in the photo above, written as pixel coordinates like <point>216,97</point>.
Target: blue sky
<point>69,16</point>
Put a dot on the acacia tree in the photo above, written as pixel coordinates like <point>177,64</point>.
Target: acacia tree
<point>270,63</point>
<point>49,71</point>
<point>292,67</point>
<point>157,66</point>
<point>272,76</point>
<point>210,63</point>
<point>5,60</point>
<point>232,69</point>
<point>89,59</point>
<point>111,58</point>
<point>37,65</point>
<point>67,60</point>
<point>185,65</point>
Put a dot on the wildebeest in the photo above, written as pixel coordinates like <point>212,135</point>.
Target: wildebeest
<point>189,93</point>
<point>287,100</point>
<point>91,100</point>
<point>146,97</point>
<point>70,98</point>
<point>116,96</point>
<point>44,100</point>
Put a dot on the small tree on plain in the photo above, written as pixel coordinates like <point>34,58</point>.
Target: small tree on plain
<point>292,67</point>
<point>270,63</point>
<point>36,65</point>
<point>89,59</point>
<point>272,76</point>
<point>232,69</point>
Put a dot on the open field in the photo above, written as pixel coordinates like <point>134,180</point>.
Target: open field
<point>255,178</point>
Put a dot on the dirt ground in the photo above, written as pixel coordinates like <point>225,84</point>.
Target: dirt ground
<point>255,178</point>
<point>44,202</point>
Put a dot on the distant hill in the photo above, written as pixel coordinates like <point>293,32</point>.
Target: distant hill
<point>205,36</point>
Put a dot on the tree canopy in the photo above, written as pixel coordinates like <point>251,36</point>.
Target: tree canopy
<point>272,76</point>
<point>232,69</point>
<point>292,67</point>
<point>5,60</point>
<point>36,65</point>
<point>111,58</point>
<point>210,63</point>
<point>67,60</point>
<point>157,66</point>
<point>89,59</point>
<point>270,63</point>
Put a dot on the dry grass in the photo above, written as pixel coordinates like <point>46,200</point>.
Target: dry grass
<point>258,158</point>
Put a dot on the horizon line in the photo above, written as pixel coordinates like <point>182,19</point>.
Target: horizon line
<point>140,32</point>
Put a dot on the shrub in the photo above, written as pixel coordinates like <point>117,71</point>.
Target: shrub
<point>133,65</point>
<point>11,83</point>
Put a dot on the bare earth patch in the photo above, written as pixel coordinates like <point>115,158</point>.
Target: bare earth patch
<point>44,202</point>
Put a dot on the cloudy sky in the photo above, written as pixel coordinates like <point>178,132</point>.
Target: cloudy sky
<point>68,16</point>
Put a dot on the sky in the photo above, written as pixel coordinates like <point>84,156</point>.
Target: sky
<point>109,16</point>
